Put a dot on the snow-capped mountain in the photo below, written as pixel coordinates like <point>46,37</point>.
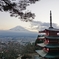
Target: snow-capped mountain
<point>19,34</point>
<point>18,28</point>
<point>17,31</point>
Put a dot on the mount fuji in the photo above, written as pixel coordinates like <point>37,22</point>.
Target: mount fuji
<point>19,34</point>
<point>17,31</point>
<point>19,28</point>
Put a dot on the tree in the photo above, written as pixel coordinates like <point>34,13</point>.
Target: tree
<point>28,49</point>
<point>10,50</point>
<point>16,8</point>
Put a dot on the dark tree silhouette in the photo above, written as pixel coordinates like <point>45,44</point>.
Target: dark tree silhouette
<point>16,7</point>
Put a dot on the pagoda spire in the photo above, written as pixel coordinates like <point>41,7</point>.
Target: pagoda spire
<point>50,20</point>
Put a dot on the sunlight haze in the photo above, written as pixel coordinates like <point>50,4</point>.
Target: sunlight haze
<point>42,11</point>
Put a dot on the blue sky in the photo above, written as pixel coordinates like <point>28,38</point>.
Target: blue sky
<point>41,9</point>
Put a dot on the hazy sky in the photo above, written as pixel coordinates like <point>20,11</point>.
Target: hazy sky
<point>41,9</point>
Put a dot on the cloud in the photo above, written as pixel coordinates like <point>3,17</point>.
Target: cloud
<point>42,25</point>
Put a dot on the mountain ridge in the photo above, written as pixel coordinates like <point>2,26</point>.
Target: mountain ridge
<point>18,28</point>
<point>17,31</point>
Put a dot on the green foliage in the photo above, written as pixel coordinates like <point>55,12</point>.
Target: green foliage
<point>37,42</point>
<point>28,48</point>
<point>13,49</point>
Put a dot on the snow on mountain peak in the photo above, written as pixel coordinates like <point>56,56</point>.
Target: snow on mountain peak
<point>18,28</point>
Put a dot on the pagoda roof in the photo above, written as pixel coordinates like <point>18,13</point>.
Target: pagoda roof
<point>52,37</point>
<point>48,54</point>
<point>42,31</point>
<point>41,37</point>
<point>41,44</point>
<point>52,55</point>
<point>49,29</point>
<point>39,57</point>
<point>48,45</point>
<point>52,46</point>
<point>41,52</point>
<point>52,29</point>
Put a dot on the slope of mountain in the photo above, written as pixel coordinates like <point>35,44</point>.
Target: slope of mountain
<point>19,34</point>
<point>18,28</point>
<point>17,31</point>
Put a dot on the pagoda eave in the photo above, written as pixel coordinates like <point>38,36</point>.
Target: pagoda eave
<point>42,31</point>
<point>54,30</point>
<point>52,55</point>
<point>41,37</point>
<point>47,54</point>
<point>52,37</point>
<point>41,53</point>
<point>41,44</point>
<point>52,46</point>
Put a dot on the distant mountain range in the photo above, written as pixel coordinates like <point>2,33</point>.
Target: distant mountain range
<point>19,34</point>
<point>18,28</point>
<point>17,31</point>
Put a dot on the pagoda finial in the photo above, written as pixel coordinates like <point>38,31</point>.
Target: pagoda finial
<point>50,19</point>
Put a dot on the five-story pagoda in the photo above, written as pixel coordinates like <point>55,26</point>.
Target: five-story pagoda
<point>50,45</point>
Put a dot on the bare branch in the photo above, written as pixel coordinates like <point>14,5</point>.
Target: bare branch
<point>16,8</point>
